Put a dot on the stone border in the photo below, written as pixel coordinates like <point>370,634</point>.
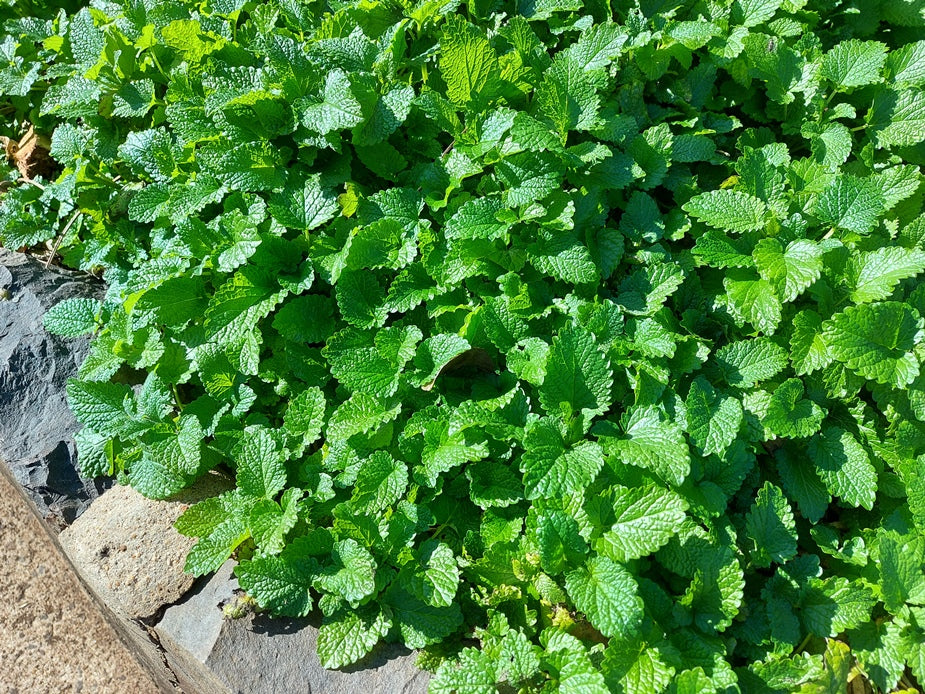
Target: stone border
<point>124,547</point>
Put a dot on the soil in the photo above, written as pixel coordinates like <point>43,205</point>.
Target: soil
<point>52,635</point>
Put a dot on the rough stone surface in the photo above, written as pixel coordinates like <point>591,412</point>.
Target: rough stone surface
<point>36,427</point>
<point>53,637</point>
<point>127,550</point>
<point>257,654</point>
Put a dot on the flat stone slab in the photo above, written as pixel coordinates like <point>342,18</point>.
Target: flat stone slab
<point>258,654</point>
<point>126,548</point>
<point>36,426</point>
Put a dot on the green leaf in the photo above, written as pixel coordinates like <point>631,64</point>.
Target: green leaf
<point>635,668</point>
<point>844,467</point>
<point>838,661</point>
<point>303,206</point>
<point>434,353</point>
<point>249,166</point>
<point>381,482</point>
<point>563,257</point>
<point>473,674</point>
<point>477,219</point>
<point>906,65</point>
<point>560,542</point>
<point>606,593</point>
<point>755,302</point>
<point>879,649</point>
<point>505,328</point>
<point>345,637</point>
<point>651,442</point>
<point>898,118</point>
<point>716,249</point>
<point>214,549</point>
<point>645,518</point>
<point>645,291</point>
<point>261,470</point>
<point>101,406</point>
<point>577,374</point>
<point>567,96</point>
<point>770,527</point>
<point>304,416</point>
<point>352,574</point>
<point>528,177</point>
<point>72,317</point>
<point>359,414</point>
<point>176,301</point>
<point>279,583</point>
<point>747,362</point>
<point>902,579</point>
<point>336,108</point>
<point>239,304</point>
<point>418,623</point>
<point>467,61</point>
<point>567,656</point>
<point>790,271</point>
<point>713,419</point>
<point>750,13</point>
<point>876,341</point>
<point>873,275</point>
<point>802,484</point>
<point>790,414</point>
<point>271,522</point>
<point>727,209</point>
<point>435,578</point>
<point>808,350</point>
<point>852,204</point>
<point>493,485</point>
<point>551,469</point>
<point>361,299</point>
<point>159,474</point>
<point>854,63</point>
<point>187,37</point>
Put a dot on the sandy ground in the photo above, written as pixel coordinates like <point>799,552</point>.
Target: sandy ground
<point>52,639</point>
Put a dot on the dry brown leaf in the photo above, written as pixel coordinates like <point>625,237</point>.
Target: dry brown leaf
<point>30,154</point>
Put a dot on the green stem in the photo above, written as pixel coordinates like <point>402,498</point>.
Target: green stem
<point>803,644</point>
<point>176,397</point>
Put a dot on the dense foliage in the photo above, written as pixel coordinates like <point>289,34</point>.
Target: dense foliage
<point>578,344</point>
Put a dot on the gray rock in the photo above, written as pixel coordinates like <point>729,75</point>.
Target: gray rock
<point>126,549</point>
<point>257,654</point>
<point>36,426</point>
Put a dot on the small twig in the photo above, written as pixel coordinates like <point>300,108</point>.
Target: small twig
<point>67,227</point>
<point>34,183</point>
<point>448,148</point>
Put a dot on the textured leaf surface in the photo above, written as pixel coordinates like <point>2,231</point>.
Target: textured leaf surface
<point>854,63</point>
<point>350,635</point>
<point>713,418</point>
<point>646,518</point>
<point>844,467</point>
<point>577,374</point>
<point>652,442</point>
<point>876,340</point>
<point>728,209</point>
<point>771,527</point>
<point>606,593</point>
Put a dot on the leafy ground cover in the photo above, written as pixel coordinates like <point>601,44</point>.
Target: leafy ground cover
<point>578,344</point>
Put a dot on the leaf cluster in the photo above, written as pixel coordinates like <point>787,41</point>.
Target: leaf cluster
<point>591,332</point>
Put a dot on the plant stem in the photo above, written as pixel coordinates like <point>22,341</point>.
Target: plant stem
<point>67,227</point>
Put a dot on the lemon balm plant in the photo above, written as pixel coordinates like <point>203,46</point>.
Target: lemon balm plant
<point>577,344</point>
